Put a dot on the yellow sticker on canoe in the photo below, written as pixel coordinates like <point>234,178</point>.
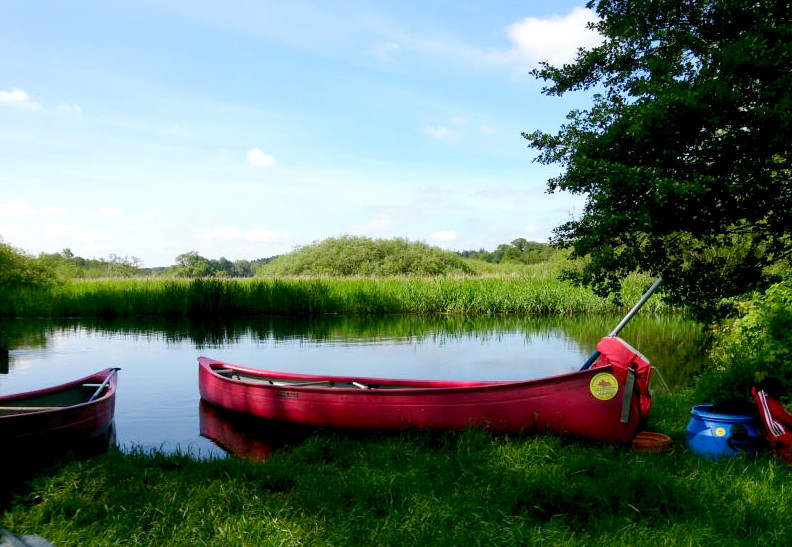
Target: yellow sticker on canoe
<point>604,386</point>
<point>720,432</point>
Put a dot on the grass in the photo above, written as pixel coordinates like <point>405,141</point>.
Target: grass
<point>526,294</point>
<point>413,488</point>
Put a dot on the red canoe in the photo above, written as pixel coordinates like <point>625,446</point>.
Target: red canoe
<point>607,402</point>
<point>64,416</point>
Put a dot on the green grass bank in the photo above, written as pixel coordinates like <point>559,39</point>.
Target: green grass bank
<point>501,294</point>
<point>416,488</point>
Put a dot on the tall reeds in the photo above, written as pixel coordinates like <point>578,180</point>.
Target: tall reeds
<point>522,295</point>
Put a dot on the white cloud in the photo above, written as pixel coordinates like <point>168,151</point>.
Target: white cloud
<point>459,121</point>
<point>375,225</point>
<point>62,230</point>
<point>19,208</point>
<point>108,212</point>
<point>256,235</point>
<point>440,132</point>
<point>18,98</point>
<point>555,39</point>
<point>259,235</point>
<point>486,129</point>
<point>90,236</point>
<point>444,235</point>
<point>16,209</point>
<point>532,228</point>
<point>260,159</point>
<point>56,229</point>
<point>70,109</point>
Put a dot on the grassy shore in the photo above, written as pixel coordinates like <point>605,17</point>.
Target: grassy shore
<point>527,294</point>
<point>417,488</point>
<point>405,488</point>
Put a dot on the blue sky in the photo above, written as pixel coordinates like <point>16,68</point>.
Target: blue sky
<point>246,128</point>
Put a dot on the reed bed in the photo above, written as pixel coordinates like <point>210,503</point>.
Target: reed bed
<point>521,295</point>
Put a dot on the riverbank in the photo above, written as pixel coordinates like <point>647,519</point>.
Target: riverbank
<point>532,294</point>
<point>431,488</point>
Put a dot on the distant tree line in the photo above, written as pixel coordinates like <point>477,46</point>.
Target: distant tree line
<point>518,251</point>
<point>66,264</point>
<point>340,256</point>
<point>192,264</point>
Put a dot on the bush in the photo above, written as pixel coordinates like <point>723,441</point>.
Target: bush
<point>362,256</point>
<point>19,271</point>
<point>755,347</point>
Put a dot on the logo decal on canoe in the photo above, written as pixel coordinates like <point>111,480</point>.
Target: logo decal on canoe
<point>720,432</point>
<point>604,386</point>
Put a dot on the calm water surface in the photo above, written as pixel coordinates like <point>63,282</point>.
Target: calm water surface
<point>158,404</point>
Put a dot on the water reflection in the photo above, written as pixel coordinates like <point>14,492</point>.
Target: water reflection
<point>671,343</point>
<point>246,436</point>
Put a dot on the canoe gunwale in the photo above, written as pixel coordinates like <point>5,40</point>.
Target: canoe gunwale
<point>96,379</point>
<point>410,387</point>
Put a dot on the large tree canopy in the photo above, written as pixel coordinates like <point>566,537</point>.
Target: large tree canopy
<point>684,154</point>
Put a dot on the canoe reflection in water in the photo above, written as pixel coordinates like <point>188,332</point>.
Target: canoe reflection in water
<point>247,436</point>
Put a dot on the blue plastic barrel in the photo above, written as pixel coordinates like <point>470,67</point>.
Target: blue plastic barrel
<point>713,435</point>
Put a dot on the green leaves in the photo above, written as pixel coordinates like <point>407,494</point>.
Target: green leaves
<point>689,140</point>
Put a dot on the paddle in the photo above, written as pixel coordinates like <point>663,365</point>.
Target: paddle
<point>620,326</point>
<point>103,384</point>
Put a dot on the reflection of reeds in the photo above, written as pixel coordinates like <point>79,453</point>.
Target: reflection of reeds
<point>670,342</point>
<point>315,296</point>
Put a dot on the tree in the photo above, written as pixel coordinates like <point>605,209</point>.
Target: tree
<point>685,153</point>
<point>20,271</point>
<point>191,264</point>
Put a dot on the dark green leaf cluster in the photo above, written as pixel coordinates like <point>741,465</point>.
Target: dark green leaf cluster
<point>685,155</point>
<point>362,256</point>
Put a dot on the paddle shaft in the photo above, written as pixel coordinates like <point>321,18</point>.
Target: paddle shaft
<point>103,384</point>
<point>623,322</point>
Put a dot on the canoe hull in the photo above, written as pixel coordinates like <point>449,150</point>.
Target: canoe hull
<point>588,403</point>
<point>56,428</point>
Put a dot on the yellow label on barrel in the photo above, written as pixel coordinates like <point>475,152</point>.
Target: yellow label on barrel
<point>604,386</point>
<point>720,432</point>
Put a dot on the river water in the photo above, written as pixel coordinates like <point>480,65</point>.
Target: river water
<point>158,405</point>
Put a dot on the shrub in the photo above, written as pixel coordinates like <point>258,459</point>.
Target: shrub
<point>362,256</point>
<point>19,271</point>
<point>752,348</point>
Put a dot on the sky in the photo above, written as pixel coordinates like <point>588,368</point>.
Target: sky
<point>247,128</point>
